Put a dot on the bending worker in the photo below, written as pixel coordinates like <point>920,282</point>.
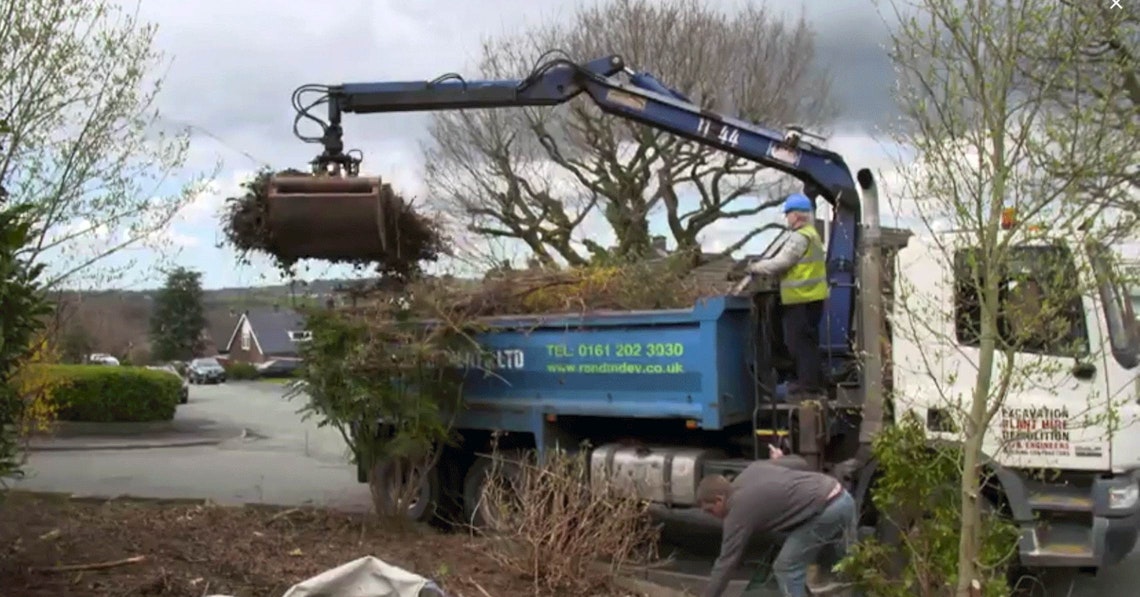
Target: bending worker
<point>803,287</point>
<point>767,497</point>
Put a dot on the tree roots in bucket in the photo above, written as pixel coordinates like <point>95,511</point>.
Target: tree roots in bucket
<point>293,215</point>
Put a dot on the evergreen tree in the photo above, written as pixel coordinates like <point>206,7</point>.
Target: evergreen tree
<point>24,307</point>
<point>178,318</point>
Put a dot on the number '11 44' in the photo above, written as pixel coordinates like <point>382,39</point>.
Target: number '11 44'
<point>725,134</point>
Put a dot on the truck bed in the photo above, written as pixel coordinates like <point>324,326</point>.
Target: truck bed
<point>679,363</point>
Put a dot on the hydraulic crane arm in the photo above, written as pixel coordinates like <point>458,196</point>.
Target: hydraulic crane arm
<point>639,97</point>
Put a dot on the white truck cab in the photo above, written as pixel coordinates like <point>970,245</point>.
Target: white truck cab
<point>1072,408</point>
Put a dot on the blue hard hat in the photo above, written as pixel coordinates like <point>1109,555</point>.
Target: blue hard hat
<point>797,202</point>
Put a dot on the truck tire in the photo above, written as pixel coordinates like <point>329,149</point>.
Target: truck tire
<point>475,510</point>
<point>426,503</point>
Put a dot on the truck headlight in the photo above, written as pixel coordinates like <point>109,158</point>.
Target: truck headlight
<point>1123,498</point>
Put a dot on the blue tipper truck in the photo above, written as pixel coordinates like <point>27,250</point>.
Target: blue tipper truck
<point>668,396</point>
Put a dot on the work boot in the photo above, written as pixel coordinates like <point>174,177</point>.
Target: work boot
<point>821,581</point>
<point>812,574</point>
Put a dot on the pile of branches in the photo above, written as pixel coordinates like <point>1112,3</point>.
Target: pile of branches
<point>635,286</point>
<point>547,521</point>
<point>579,290</point>
<point>245,217</point>
<point>418,239</point>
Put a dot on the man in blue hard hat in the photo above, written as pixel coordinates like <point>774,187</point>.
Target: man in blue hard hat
<point>800,265</point>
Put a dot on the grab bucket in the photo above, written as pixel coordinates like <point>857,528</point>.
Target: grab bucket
<point>330,218</point>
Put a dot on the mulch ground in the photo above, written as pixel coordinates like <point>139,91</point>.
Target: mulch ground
<point>191,550</point>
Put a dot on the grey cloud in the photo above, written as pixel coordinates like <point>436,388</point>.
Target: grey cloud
<point>851,35</point>
<point>236,62</point>
<point>863,78</point>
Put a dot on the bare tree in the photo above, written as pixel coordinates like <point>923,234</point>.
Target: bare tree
<point>83,143</point>
<point>536,175</point>
<point>983,126</point>
<point>1104,79</point>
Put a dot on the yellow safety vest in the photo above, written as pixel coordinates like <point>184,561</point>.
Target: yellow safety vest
<point>807,280</point>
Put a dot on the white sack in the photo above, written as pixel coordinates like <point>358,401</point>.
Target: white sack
<point>364,577</point>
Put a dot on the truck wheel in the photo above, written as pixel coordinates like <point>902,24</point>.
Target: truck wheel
<point>424,505</point>
<point>509,471</point>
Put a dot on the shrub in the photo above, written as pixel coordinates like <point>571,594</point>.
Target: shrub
<point>382,366</point>
<point>101,394</point>
<point>24,307</point>
<point>547,522</point>
<point>919,506</point>
<point>236,370</point>
<point>33,383</point>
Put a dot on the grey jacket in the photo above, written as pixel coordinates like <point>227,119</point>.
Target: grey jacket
<point>768,496</point>
<point>793,249</point>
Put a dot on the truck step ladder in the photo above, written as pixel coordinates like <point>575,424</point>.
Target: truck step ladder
<point>1064,532</point>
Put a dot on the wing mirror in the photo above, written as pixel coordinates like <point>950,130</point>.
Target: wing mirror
<point>1084,371</point>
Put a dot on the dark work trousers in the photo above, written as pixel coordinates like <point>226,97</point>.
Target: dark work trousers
<point>801,336</point>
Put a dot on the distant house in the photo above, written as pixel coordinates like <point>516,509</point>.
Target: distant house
<point>220,324</point>
<point>267,334</point>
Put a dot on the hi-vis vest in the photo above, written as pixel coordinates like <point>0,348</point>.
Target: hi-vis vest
<point>807,280</point>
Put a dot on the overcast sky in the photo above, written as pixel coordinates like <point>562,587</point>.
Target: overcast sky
<point>234,64</point>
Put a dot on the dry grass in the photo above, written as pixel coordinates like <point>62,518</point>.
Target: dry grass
<point>192,550</point>
<point>549,523</point>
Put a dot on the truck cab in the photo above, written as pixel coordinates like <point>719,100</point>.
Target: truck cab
<point>1067,329</point>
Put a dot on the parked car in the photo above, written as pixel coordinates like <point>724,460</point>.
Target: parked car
<point>278,367</point>
<point>184,392</point>
<point>100,358</point>
<point>179,366</point>
<point>206,370</point>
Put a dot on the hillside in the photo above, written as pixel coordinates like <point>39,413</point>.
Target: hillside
<point>117,321</point>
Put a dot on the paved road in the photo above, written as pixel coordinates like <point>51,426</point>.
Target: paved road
<point>283,460</point>
<point>272,420</point>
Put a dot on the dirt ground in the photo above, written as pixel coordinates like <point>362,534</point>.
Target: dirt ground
<point>191,550</point>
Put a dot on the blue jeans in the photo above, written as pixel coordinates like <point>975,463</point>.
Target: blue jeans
<point>835,527</point>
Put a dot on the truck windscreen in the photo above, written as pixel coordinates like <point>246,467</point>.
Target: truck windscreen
<point>1120,318</point>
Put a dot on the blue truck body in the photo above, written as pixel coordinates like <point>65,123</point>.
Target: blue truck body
<point>690,364</point>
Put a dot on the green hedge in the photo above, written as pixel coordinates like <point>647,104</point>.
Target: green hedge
<point>105,394</point>
<point>239,370</point>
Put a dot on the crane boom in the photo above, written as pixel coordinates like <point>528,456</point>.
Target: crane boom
<point>640,98</point>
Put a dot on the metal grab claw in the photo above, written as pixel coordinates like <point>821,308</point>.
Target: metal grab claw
<point>354,215</point>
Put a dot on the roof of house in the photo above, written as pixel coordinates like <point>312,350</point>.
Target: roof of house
<point>272,327</point>
<point>220,324</point>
